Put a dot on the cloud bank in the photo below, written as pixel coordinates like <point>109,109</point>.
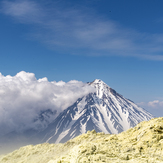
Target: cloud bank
<point>24,100</point>
<point>81,31</point>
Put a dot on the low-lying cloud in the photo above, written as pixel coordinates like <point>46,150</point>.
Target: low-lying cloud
<point>23,98</point>
<point>81,31</point>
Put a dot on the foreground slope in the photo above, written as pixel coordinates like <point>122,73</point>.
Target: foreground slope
<point>105,110</point>
<point>143,143</point>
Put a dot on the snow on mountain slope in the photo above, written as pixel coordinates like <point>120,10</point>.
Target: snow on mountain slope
<point>104,110</point>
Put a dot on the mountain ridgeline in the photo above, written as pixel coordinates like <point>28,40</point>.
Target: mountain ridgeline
<point>103,111</point>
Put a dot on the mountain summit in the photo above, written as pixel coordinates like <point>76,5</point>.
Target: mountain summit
<point>104,111</point>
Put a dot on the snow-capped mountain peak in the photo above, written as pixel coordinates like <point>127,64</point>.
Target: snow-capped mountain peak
<point>101,87</point>
<point>104,110</point>
<point>99,83</point>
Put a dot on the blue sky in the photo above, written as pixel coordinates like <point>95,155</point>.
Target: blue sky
<point>119,42</point>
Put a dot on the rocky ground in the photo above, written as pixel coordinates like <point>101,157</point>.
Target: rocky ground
<point>141,144</point>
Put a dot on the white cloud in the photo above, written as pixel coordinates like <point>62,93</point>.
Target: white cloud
<point>155,107</point>
<point>23,97</point>
<point>153,103</point>
<point>156,104</point>
<point>80,31</point>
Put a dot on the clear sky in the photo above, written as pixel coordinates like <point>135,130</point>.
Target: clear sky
<point>117,41</point>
